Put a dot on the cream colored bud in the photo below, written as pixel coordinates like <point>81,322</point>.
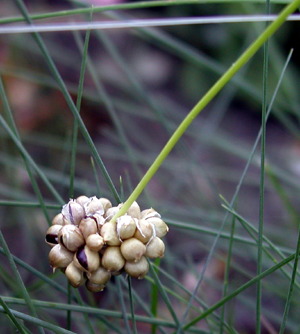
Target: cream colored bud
<point>88,226</point>
<point>73,212</point>
<point>93,206</point>
<point>148,213</point>
<point>134,210</point>
<point>59,219</point>
<point>109,234</point>
<point>86,260</point>
<point>144,231</point>
<point>60,257</point>
<point>52,235</point>
<point>70,237</point>
<point>74,275</point>
<point>161,228</point>
<point>82,200</point>
<point>126,227</point>
<point>94,287</point>
<point>112,259</point>
<point>155,248</point>
<point>106,203</point>
<point>137,269</point>
<point>100,276</point>
<point>132,249</point>
<point>111,212</point>
<point>95,242</point>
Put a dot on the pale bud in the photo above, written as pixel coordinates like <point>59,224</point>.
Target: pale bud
<point>59,219</point>
<point>155,248</point>
<point>60,257</point>
<point>111,212</point>
<point>134,210</point>
<point>70,237</point>
<point>86,260</point>
<point>93,206</point>
<point>126,227</point>
<point>99,276</point>
<point>109,234</point>
<point>88,226</point>
<point>73,212</point>
<point>161,228</point>
<point>74,275</point>
<point>137,269</point>
<point>112,259</point>
<point>95,242</point>
<point>93,287</point>
<point>148,213</point>
<point>144,230</point>
<point>133,249</point>
<point>52,235</point>
<point>106,203</point>
<point>82,200</point>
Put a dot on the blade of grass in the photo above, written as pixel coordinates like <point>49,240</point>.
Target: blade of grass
<point>242,288</point>
<point>291,287</point>
<point>212,92</point>
<point>262,180</point>
<point>68,98</point>
<point>131,302</point>
<point>19,327</point>
<point>18,278</point>
<point>123,306</point>
<point>154,297</point>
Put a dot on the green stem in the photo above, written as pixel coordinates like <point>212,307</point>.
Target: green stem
<point>211,93</point>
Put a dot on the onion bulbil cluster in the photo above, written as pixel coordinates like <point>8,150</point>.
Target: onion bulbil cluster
<point>88,247</point>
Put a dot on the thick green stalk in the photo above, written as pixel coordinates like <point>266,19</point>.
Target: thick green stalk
<point>212,92</point>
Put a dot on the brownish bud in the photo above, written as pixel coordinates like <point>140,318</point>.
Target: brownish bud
<point>74,275</point>
<point>137,269</point>
<point>133,249</point>
<point>148,213</point>
<point>52,235</point>
<point>112,259</point>
<point>73,212</point>
<point>155,248</point>
<point>109,234</point>
<point>106,204</point>
<point>82,200</point>
<point>95,242</point>
<point>100,276</point>
<point>59,219</point>
<point>161,228</point>
<point>86,260</point>
<point>126,227</point>
<point>144,230</point>
<point>70,237</point>
<point>60,257</point>
<point>111,212</point>
<point>88,226</point>
<point>93,206</point>
<point>93,287</point>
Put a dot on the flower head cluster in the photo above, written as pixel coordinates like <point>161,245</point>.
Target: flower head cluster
<point>89,247</point>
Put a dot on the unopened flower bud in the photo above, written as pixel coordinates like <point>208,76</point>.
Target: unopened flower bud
<point>137,269</point>
<point>52,235</point>
<point>73,212</point>
<point>134,211</point>
<point>99,276</point>
<point>86,260</point>
<point>148,213</point>
<point>155,248</point>
<point>74,275</point>
<point>126,227</point>
<point>109,234</point>
<point>93,287</point>
<point>88,226</point>
<point>161,228</point>
<point>112,259</point>
<point>60,257</point>
<point>111,212</point>
<point>106,204</point>
<point>95,242</point>
<point>70,237</point>
<point>82,200</point>
<point>133,249</point>
<point>144,231</point>
<point>59,219</point>
<point>94,205</point>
